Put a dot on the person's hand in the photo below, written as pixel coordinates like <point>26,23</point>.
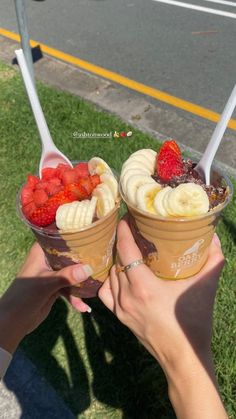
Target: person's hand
<point>162,313</point>
<point>30,297</point>
<point>173,320</point>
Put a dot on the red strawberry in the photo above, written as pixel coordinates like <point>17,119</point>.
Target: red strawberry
<point>48,173</point>
<point>45,215</point>
<point>82,169</point>
<point>123,134</point>
<point>40,197</point>
<point>28,209</point>
<point>41,185</point>
<point>32,181</point>
<point>171,145</point>
<point>169,161</point>
<point>61,168</point>
<point>53,186</point>
<point>69,176</point>
<point>95,180</point>
<point>26,195</point>
<point>78,190</point>
<point>87,185</point>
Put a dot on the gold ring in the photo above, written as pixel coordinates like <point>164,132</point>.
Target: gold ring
<point>131,265</point>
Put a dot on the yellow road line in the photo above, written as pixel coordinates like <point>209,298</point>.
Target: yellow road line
<point>124,81</point>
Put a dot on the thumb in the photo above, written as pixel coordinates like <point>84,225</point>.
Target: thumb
<point>71,275</point>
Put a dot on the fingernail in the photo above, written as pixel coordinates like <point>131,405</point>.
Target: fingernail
<point>89,310</point>
<point>82,272</point>
<point>216,240</point>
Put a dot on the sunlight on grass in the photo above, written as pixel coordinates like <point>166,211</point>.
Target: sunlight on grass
<point>93,362</point>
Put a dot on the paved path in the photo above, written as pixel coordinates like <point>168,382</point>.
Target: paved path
<point>24,394</point>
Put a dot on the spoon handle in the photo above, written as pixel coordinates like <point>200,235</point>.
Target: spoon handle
<point>212,147</point>
<point>45,136</point>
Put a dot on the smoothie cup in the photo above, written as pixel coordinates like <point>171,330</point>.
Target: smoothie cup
<point>175,248</point>
<point>92,245</point>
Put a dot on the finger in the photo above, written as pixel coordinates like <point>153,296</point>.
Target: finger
<point>35,262</point>
<point>76,302</point>
<point>114,283</point>
<point>106,296</point>
<point>129,252</point>
<point>66,277</point>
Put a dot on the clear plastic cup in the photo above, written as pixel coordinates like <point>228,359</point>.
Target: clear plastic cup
<point>91,245</point>
<point>175,248</point>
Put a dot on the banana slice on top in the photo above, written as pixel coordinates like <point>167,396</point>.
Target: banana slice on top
<point>105,200</point>
<point>110,180</point>
<point>159,201</point>
<point>188,199</point>
<point>133,183</point>
<point>140,161</point>
<point>98,166</point>
<point>91,211</point>
<point>146,195</point>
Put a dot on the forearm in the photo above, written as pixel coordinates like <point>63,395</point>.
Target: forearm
<point>193,389</point>
<point>11,332</point>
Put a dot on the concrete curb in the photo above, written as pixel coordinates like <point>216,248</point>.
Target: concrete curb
<point>134,108</point>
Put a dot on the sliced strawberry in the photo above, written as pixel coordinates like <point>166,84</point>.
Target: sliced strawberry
<point>82,169</point>
<point>43,216</point>
<point>40,197</point>
<point>169,163</point>
<point>48,173</point>
<point>87,185</point>
<point>171,145</point>
<point>28,209</point>
<point>26,195</point>
<point>61,168</point>
<point>69,176</point>
<point>55,181</point>
<point>53,189</point>
<point>78,190</point>
<point>41,185</point>
<point>46,214</point>
<point>95,180</point>
<point>32,181</point>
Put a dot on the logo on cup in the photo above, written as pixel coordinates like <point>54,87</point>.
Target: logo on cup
<point>189,257</point>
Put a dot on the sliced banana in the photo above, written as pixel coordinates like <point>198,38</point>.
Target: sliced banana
<point>133,183</point>
<point>105,200</point>
<point>98,166</point>
<point>141,161</point>
<point>65,215</point>
<point>135,166</point>
<point>124,178</point>
<point>110,180</point>
<point>159,201</point>
<point>90,211</point>
<point>146,195</point>
<point>79,214</point>
<point>148,152</point>
<point>188,199</point>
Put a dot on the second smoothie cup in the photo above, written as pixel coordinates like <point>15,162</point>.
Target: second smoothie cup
<point>175,247</point>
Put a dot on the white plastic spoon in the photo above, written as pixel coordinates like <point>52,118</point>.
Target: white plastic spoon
<point>50,156</point>
<point>204,165</point>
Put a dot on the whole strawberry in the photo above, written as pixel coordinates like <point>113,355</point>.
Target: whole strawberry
<point>169,163</point>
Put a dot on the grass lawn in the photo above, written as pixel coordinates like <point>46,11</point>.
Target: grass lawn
<point>93,362</point>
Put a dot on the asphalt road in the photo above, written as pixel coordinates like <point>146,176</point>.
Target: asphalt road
<point>187,53</point>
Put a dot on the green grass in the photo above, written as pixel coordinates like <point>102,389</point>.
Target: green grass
<point>92,361</point>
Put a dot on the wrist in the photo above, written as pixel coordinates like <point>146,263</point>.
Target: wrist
<point>193,389</point>
<point>11,332</point>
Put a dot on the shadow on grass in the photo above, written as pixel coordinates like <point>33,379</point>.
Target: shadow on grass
<point>72,387</point>
<point>124,375</point>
